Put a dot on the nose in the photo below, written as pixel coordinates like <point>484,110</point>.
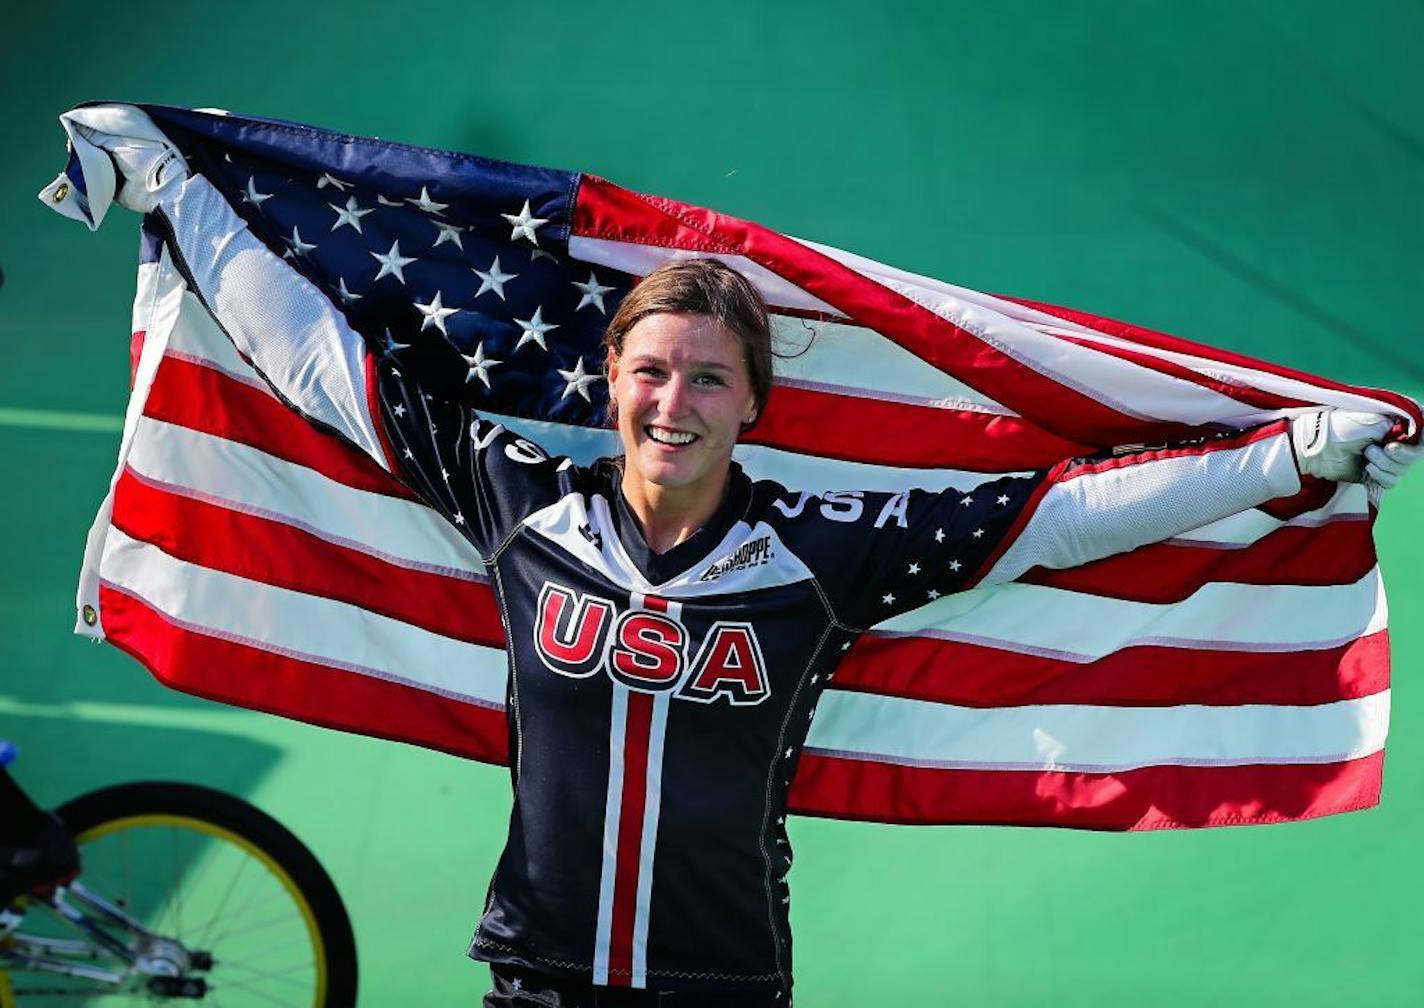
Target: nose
<point>675,402</point>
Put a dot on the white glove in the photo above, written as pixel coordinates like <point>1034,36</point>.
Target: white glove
<point>1330,444</point>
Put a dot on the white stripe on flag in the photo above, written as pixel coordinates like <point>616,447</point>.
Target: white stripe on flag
<point>1219,616</point>
<point>1094,739</point>
<point>302,626</point>
<point>249,480</point>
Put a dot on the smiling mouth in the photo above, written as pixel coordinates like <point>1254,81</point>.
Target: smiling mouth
<point>667,436</point>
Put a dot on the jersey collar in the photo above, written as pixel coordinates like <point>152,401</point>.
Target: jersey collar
<point>659,568</point>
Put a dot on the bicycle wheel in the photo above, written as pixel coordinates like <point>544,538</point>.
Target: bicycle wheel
<point>244,914</point>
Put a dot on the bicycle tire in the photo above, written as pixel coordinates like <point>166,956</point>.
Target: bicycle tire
<point>227,819</point>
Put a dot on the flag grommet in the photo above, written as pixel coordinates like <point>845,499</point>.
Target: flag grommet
<point>91,616</point>
<point>61,193</point>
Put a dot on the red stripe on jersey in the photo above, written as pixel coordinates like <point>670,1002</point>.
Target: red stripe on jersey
<point>975,675</point>
<point>202,665</point>
<point>274,553</point>
<point>819,422</point>
<point>204,399</point>
<point>610,212</point>
<point>1157,797</point>
<point>1270,430</point>
<point>1021,520</point>
<point>630,837</point>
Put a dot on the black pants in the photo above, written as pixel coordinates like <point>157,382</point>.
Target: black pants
<point>516,987</point>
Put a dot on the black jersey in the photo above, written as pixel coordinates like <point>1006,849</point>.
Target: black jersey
<point>657,703</point>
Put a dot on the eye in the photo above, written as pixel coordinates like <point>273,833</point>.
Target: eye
<point>709,379</point>
<point>649,370</point>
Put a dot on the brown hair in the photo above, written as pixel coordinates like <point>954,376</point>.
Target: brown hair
<point>701,287</point>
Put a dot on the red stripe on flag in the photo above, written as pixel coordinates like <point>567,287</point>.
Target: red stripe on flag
<point>274,553</point>
<point>135,351</point>
<point>204,399</point>
<point>230,672</point>
<point>1175,344</point>
<point>1156,797</point>
<point>828,424</point>
<point>630,837</point>
<point>1258,398</point>
<point>975,675</point>
<point>1339,552</point>
<point>607,211</point>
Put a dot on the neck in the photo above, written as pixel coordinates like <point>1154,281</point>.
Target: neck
<point>669,515</point>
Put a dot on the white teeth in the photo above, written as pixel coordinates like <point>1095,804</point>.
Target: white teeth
<point>670,437</point>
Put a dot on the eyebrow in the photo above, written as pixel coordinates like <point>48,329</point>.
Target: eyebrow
<point>650,359</point>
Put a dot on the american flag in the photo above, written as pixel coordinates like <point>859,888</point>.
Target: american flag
<point>1235,674</point>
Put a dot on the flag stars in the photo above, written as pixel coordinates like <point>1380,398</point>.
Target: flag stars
<point>978,533</point>
<point>939,535</point>
<point>534,330</point>
<point>427,204</point>
<point>888,599</point>
<point>525,224</point>
<point>330,180</point>
<point>435,314</point>
<point>954,565</point>
<point>393,263</point>
<point>449,233</point>
<point>252,196</point>
<point>350,214</point>
<point>409,454</point>
<point>399,409</point>
<point>1003,499</point>
<point>390,346</point>
<point>493,279</point>
<point>592,292</point>
<point>932,594</point>
<point>459,518</point>
<point>297,247</point>
<point>346,296</point>
<point>845,646</point>
<point>966,500</point>
<point>578,380</point>
<point>479,366</point>
<point>788,754</point>
<point>914,568</point>
<point>445,474</point>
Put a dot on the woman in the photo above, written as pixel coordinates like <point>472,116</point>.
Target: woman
<point>670,623</point>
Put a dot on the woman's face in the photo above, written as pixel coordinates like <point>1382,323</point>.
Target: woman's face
<point>683,392</point>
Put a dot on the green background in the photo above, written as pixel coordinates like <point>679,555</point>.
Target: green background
<point>1248,176</point>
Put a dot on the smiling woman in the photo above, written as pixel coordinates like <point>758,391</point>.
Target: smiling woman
<point>689,369</point>
<point>671,624</point>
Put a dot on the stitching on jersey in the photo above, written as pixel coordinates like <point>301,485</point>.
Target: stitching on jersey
<point>510,650</point>
<point>766,813</point>
<point>830,611</point>
<point>566,964</point>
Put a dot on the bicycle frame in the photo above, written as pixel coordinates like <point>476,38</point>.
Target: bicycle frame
<point>165,961</point>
